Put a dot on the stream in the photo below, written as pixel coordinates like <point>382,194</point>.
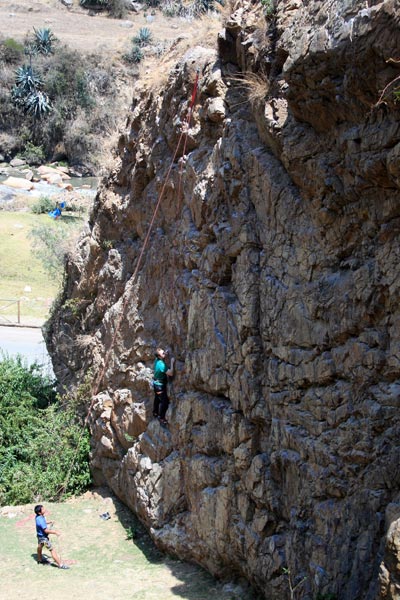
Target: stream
<point>86,186</point>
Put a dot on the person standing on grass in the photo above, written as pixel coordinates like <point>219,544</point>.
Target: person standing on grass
<point>43,532</point>
<point>160,380</point>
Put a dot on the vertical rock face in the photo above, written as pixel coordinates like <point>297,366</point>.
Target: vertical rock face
<point>272,274</point>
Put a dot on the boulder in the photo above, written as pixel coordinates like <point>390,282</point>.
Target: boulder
<point>18,162</point>
<point>18,183</point>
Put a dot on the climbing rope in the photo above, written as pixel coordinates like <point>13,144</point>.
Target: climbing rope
<point>129,285</point>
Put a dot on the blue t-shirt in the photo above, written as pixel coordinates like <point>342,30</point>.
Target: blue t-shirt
<point>160,370</point>
<point>41,525</point>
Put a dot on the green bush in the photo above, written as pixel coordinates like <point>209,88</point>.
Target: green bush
<point>52,242</point>
<point>11,51</point>
<point>34,155</point>
<point>40,438</point>
<point>43,206</point>
<point>94,3</point>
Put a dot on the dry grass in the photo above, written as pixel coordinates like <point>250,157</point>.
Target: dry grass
<point>154,70</point>
<point>255,85</point>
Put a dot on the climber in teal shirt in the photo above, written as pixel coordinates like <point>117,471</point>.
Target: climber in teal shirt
<point>160,380</point>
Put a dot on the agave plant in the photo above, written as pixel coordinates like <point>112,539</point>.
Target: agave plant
<point>27,94</point>
<point>26,80</point>
<point>43,41</point>
<point>37,104</point>
<point>135,55</point>
<point>143,38</point>
<point>18,96</point>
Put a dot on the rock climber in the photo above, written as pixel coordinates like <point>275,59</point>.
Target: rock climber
<point>160,380</point>
<point>43,532</point>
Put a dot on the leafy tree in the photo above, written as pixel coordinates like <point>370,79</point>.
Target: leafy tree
<point>40,438</point>
<point>52,243</point>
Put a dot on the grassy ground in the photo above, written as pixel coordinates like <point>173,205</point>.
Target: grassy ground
<point>22,276</point>
<point>105,562</point>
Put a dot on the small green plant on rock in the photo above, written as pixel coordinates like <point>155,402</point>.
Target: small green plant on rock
<point>268,7</point>
<point>107,245</point>
<point>74,305</point>
<point>293,586</point>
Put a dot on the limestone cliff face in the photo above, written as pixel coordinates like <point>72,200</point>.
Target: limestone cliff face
<point>272,274</point>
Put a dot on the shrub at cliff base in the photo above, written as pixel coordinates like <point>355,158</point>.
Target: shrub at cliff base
<point>39,438</point>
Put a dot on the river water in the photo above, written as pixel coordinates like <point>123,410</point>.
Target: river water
<point>86,186</point>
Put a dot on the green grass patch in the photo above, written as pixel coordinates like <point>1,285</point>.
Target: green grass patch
<point>22,275</point>
<point>103,562</point>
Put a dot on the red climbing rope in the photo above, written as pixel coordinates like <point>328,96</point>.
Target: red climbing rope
<point>189,118</point>
<point>128,288</point>
<point>184,132</point>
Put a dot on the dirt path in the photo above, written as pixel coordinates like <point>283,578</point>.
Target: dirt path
<point>104,563</point>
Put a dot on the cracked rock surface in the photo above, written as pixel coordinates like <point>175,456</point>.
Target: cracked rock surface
<point>272,274</point>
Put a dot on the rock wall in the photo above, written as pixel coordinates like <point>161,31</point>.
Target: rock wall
<point>272,274</point>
